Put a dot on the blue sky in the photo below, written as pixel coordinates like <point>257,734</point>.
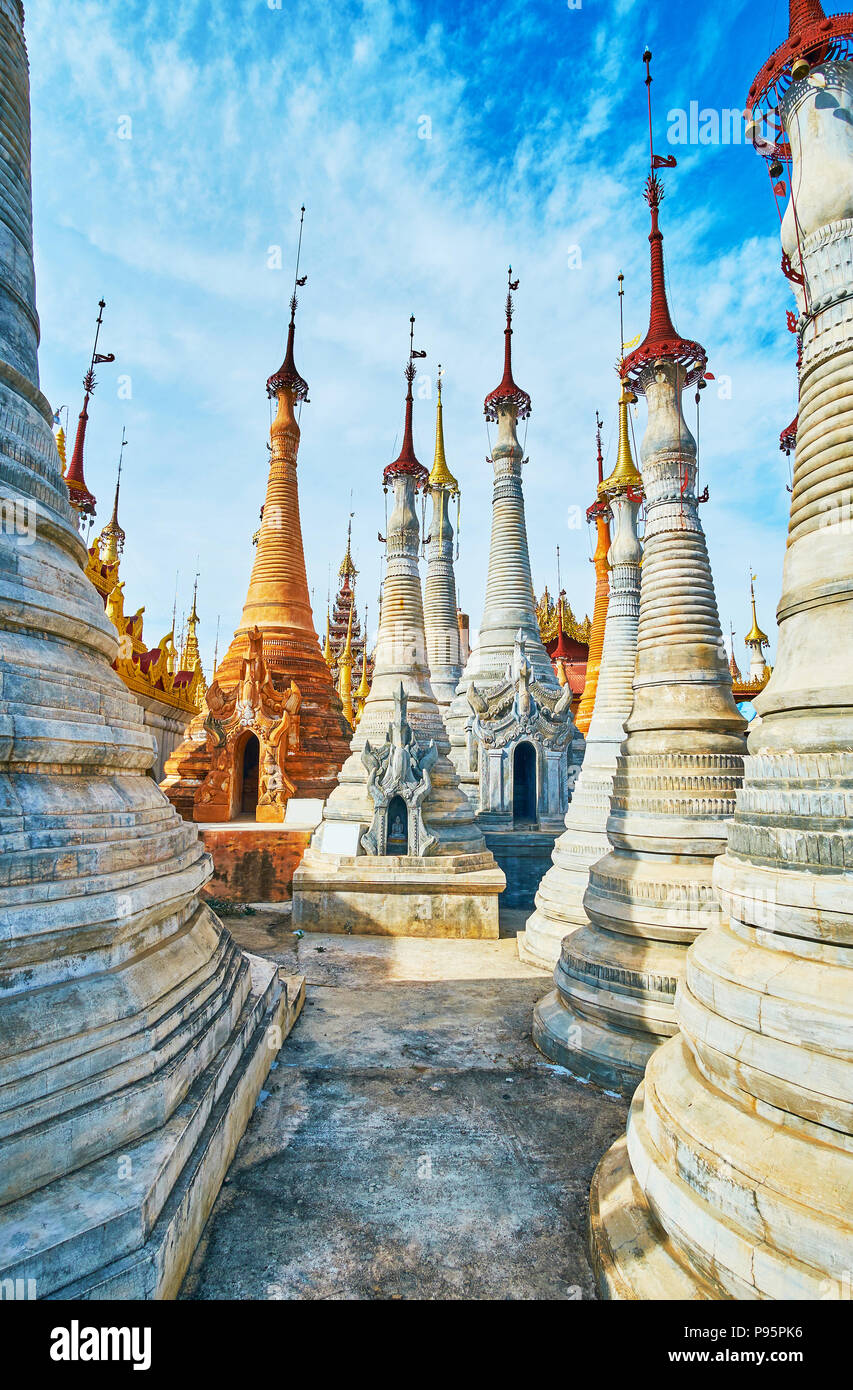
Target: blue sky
<point>240,111</point>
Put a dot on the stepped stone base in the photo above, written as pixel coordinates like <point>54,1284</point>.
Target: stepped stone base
<point>630,1254</point>
<point>253,863</point>
<point>592,1051</point>
<point>524,856</point>
<point>143,1210</point>
<point>397,895</point>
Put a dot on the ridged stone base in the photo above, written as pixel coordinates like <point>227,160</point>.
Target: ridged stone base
<point>126,1226</point>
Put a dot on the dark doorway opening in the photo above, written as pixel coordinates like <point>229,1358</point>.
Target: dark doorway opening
<point>397,839</point>
<point>251,771</point>
<point>524,785</point>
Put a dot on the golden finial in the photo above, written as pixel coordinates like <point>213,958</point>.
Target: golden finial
<point>191,652</point>
<point>345,673</point>
<point>112,532</point>
<point>440,475</point>
<point>348,569</point>
<point>363,690</point>
<point>327,649</point>
<point>625,475</point>
<point>755,636</point>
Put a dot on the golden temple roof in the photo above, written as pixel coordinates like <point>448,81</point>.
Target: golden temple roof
<point>440,474</point>
<point>625,474</point>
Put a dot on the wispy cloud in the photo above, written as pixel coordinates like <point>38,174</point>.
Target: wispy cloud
<point>431,149</point>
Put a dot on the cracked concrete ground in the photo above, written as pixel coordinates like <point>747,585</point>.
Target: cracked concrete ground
<point>411,1142</point>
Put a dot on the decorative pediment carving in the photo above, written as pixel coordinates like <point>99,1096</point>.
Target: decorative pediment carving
<point>399,783</point>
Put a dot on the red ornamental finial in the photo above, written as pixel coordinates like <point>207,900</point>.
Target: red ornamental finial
<point>406,462</point>
<point>507,393</point>
<point>78,493</point>
<point>813,37</point>
<point>287,377</point>
<point>662,341</point>
<point>598,423</point>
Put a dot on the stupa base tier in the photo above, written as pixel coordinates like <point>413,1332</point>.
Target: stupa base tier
<point>631,1256</point>
<point>525,857</point>
<point>588,1049</point>
<point>389,895</point>
<point>126,1226</point>
<point>252,862</point>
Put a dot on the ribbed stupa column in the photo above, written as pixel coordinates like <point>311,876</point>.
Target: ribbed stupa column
<point>277,650</point>
<point>134,1037</point>
<point>583,718</point>
<point>440,614</point>
<point>559,900</point>
<point>682,760</point>
<point>509,616</point>
<point>355,876</point>
<point>737,1179</point>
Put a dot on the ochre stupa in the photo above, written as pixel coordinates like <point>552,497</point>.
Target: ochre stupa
<point>272,736</point>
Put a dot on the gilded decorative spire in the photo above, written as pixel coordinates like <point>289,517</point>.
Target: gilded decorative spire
<point>363,689</point>
<point>59,436</point>
<point>287,378</point>
<point>328,655</point>
<point>625,475</point>
<point>345,664</point>
<point>191,653</point>
<point>755,637</point>
<point>507,393</point>
<point>662,339</point>
<point>79,495</point>
<point>733,666</point>
<point>112,534</point>
<point>599,512</point>
<point>440,475</point>
<point>348,570</point>
<point>406,461</point>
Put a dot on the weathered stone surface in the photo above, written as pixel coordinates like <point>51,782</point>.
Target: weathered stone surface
<point>737,1176</point>
<point>132,1025</point>
<point>253,863</point>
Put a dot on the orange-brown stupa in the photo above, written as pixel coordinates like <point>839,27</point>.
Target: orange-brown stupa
<point>601,514</point>
<point>272,729</point>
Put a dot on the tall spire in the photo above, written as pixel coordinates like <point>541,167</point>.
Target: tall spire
<point>661,340</point>
<point>507,393</point>
<point>406,461</point>
<point>345,665</point>
<point>112,532</point>
<point>348,571</point>
<point>599,512</point>
<point>79,495</point>
<point>440,474</point>
<point>755,637</point>
<point>287,377</point>
<point>191,652</point>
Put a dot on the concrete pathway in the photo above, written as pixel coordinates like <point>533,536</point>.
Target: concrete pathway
<point>412,1143</point>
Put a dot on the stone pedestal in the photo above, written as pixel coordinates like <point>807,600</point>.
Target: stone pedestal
<point>736,1180</point>
<point>135,1035</point>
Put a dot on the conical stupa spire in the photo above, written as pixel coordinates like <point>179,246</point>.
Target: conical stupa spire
<point>406,461</point>
<point>599,512</point>
<point>661,340</point>
<point>287,377</point>
<point>192,653</point>
<point>507,392</point>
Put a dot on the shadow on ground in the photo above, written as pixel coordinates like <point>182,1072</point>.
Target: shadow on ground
<point>411,1142</point>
